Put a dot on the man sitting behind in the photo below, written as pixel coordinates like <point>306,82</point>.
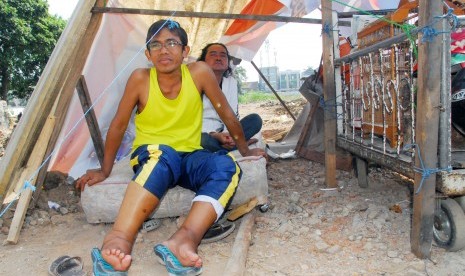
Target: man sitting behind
<point>214,135</point>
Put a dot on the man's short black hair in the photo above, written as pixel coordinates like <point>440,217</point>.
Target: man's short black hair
<point>228,72</point>
<point>169,24</point>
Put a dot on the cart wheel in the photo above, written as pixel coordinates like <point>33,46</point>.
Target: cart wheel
<point>449,226</point>
<point>361,172</point>
<point>461,201</point>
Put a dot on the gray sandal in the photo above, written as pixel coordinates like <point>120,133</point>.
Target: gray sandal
<point>150,225</point>
<point>218,231</point>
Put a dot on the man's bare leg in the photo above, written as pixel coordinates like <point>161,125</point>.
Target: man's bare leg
<point>137,205</point>
<point>185,241</point>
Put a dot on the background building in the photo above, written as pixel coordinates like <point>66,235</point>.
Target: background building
<point>287,80</point>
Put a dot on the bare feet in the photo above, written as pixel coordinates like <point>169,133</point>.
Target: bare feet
<point>185,253</point>
<point>113,251</point>
<point>117,259</point>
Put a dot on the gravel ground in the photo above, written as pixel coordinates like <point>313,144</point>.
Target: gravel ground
<point>308,230</point>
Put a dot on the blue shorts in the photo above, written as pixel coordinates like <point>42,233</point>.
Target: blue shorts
<point>213,177</point>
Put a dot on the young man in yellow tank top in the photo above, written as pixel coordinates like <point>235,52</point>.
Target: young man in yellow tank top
<point>167,153</point>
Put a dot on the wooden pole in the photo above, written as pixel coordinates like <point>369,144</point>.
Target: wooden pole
<point>329,89</point>
<point>255,17</point>
<point>33,164</point>
<point>429,55</point>
<point>91,119</point>
<point>272,90</point>
<point>237,261</point>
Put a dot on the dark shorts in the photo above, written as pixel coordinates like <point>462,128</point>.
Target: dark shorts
<point>212,176</point>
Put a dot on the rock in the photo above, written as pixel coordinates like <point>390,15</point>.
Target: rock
<point>63,210</point>
<point>285,227</point>
<point>294,197</point>
<point>368,246</point>
<point>4,230</point>
<point>43,221</point>
<point>294,208</point>
<point>43,214</point>
<point>321,246</point>
<point>57,219</point>
<point>392,254</point>
<point>54,179</point>
<point>333,249</point>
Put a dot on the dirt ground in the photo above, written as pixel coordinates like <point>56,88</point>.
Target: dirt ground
<point>308,230</point>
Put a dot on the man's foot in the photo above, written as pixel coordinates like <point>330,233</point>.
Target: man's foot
<point>102,267</point>
<point>117,259</point>
<point>113,252</point>
<point>186,254</point>
<point>174,267</point>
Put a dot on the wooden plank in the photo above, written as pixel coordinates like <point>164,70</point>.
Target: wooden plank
<point>329,89</point>
<point>343,160</point>
<point>306,130</point>
<point>255,17</point>
<point>91,119</point>
<point>74,67</point>
<point>237,260</point>
<point>45,93</point>
<point>29,174</point>
<point>429,54</point>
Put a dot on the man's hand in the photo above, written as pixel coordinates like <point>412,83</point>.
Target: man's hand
<point>225,139</point>
<point>90,178</point>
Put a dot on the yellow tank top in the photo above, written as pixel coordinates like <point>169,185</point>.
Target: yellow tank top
<point>176,122</point>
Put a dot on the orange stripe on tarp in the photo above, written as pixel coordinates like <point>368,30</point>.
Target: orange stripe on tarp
<point>256,7</point>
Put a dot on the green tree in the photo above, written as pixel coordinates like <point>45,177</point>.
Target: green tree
<point>28,35</point>
<point>241,76</point>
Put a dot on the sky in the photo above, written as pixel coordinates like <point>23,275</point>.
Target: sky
<point>294,46</point>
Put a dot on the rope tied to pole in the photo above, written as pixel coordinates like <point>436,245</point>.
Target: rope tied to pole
<point>425,172</point>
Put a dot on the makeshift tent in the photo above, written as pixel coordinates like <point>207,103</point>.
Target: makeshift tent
<point>105,48</point>
<point>114,64</point>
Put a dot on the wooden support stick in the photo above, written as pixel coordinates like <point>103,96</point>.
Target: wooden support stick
<point>238,259</point>
<point>428,98</point>
<point>33,164</point>
<point>91,118</point>
<point>329,88</point>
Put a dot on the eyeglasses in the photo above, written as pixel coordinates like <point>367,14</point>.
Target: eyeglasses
<point>170,44</point>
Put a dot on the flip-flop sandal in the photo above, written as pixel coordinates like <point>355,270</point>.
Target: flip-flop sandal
<point>102,267</point>
<point>218,231</point>
<point>53,267</point>
<point>151,224</point>
<point>67,266</point>
<point>172,264</point>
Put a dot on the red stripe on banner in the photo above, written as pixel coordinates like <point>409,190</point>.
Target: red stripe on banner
<point>257,7</point>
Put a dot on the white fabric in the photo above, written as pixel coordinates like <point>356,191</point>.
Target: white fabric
<point>216,205</point>
<point>211,119</point>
